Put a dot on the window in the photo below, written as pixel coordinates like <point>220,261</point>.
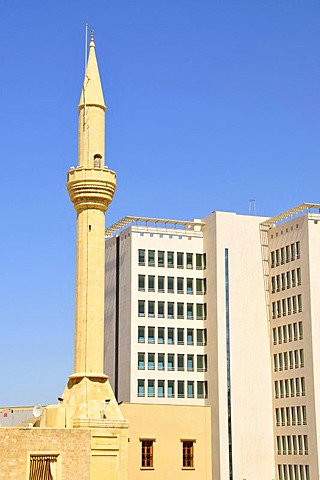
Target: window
<point>202,389</point>
<point>170,388</point>
<point>141,338</point>
<point>151,283</point>
<point>189,260</point>
<point>180,339</point>
<point>141,308</point>
<point>141,283</point>
<point>142,257</point>
<point>201,363</point>
<point>141,392</point>
<point>151,388</point>
<point>140,361</point>
<point>180,389</point>
<point>293,251</point>
<point>282,255</point>
<point>150,361</point>
<point>151,304</point>
<point>43,466</point>
<point>190,285</point>
<point>160,335</point>
<point>170,285</point>
<point>189,336</point>
<point>160,388</point>
<point>180,362</point>
<point>170,335</point>
<point>150,334</point>
<point>180,308</point>
<point>190,311</point>
<point>190,389</point>
<point>170,306</point>
<point>190,363</point>
<point>298,276</point>
<point>201,337</point>
<point>180,285</point>
<point>146,453</point>
<point>160,361</point>
<point>199,261</point>
<point>199,311</point>
<point>187,454</point>
<point>151,258</point>
<point>180,256</point>
<point>170,361</point>
<point>160,259</point>
<point>160,284</point>
<point>298,249</point>
<point>160,309</point>
<point>199,286</point>
<point>272,260</point>
<point>170,259</point>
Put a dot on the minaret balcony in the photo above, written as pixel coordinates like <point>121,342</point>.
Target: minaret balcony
<point>91,187</point>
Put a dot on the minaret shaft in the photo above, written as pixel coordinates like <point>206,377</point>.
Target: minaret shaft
<point>91,136</point>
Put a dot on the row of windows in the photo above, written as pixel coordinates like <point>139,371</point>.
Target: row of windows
<point>178,335</point>
<point>180,310</point>
<point>286,360</point>
<point>182,285</point>
<point>172,388</point>
<point>180,362</point>
<point>287,333</point>
<point>293,472</point>
<point>286,280</point>
<point>290,387</point>
<point>285,254</point>
<point>287,305</point>
<point>292,445</point>
<point>147,453</point>
<point>291,416</point>
<point>172,259</point>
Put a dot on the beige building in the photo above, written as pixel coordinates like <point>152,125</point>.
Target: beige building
<point>186,324</point>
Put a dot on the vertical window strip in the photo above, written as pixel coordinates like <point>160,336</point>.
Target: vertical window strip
<point>228,362</point>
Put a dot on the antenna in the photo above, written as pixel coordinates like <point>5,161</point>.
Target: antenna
<point>252,207</point>
<point>86,48</point>
<point>37,410</point>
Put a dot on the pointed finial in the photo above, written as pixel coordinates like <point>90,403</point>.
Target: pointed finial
<point>92,44</point>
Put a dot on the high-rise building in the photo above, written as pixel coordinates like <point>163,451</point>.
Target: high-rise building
<point>186,324</point>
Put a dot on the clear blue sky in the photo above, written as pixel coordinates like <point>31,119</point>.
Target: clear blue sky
<point>210,103</point>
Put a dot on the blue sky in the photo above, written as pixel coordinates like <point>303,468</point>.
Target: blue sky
<point>210,103</point>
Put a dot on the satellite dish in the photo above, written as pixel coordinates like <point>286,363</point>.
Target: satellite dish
<point>37,410</point>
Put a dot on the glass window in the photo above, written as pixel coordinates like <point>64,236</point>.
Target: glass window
<point>141,283</point>
<point>151,304</point>
<point>171,335</point>
<point>199,286</point>
<point>187,454</point>
<point>170,258</point>
<point>151,283</point>
<point>180,362</point>
<point>140,361</point>
<point>142,257</point>
<point>170,361</point>
<point>200,311</point>
<point>180,285</point>
<point>170,309</point>
<point>151,361</point>
<point>180,256</point>
<point>201,336</point>
<point>170,388</point>
<point>201,363</point>
<point>180,389</point>
<point>202,389</point>
<point>150,388</point>
<point>190,285</point>
<point>160,309</point>
<point>160,388</point>
<point>298,249</point>
<point>150,334</point>
<point>190,387</point>
<point>287,253</point>
<point>160,335</point>
<point>141,338</point>
<point>160,258</point>
<point>190,363</point>
<point>198,261</point>
<point>189,260</point>
<point>180,336</point>
<point>141,308</point>
<point>146,453</point>
<point>180,308</point>
<point>170,285</point>
<point>189,336</point>
<point>141,391</point>
<point>293,251</point>
<point>160,284</point>
<point>160,361</point>
<point>151,258</point>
